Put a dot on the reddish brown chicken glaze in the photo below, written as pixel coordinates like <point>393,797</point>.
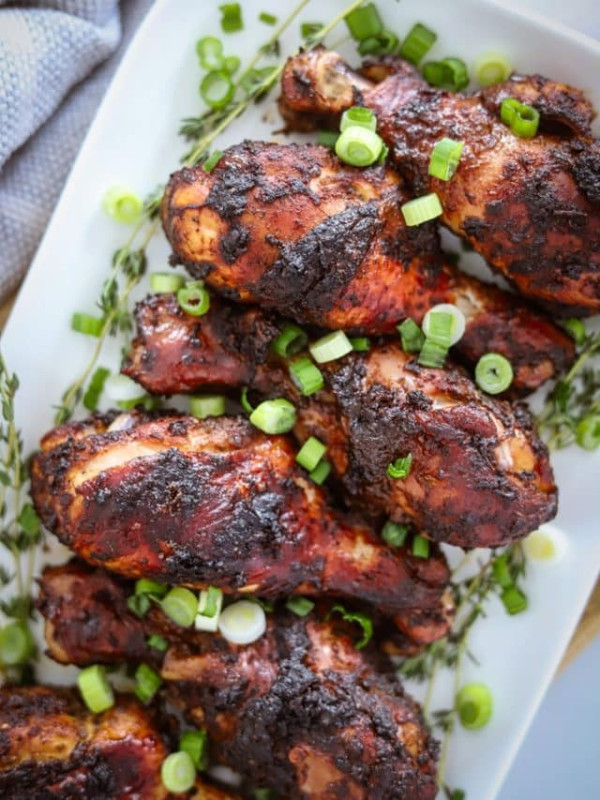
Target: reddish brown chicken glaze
<point>480,474</point>
<point>300,710</point>
<point>293,229</point>
<point>531,207</point>
<point>215,502</point>
<point>52,747</point>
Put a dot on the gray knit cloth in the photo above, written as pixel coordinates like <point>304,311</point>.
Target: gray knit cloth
<point>47,48</point>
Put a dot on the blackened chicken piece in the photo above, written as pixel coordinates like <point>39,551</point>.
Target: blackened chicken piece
<point>51,746</point>
<point>215,502</point>
<point>301,710</point>
<point>480,475</point>
<point>530,207</point>
<point>294,230</point>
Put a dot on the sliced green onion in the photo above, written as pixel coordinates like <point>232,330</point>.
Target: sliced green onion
<point>157,642</point>
<point>85,323</point>
<point>208,405</point>
<point>523,120</point>
<point>491,68</point>
<point>513,600</point>
<point>321,472</point>
<point>327,138</point>
<point>153,588</point>
<point>433,354</point>
<point>290,341</point>
<point>301,606</point>
<point>16,644</point>
<point>212,161</point>
<point>357,115</point>
<point>308,29</point>
<point>209,50</point>
<point>178,772</point>
<point>444,159</point>
<point>263,794</point>
<point>358,146</point>
<point>245,403</point>
<point>243,622</point>
<point>217,89</point>
<point>493,373</point>
<point>209,608</point>
<point>147,683</point>
<point>450,73</point>
<point>331,347</point>
<point>166,282</point>
<point>195,744</point>
<point>422,209</point>
<point>587,432</point>
<point>420,547</point>
<point>385,151</point>
<point>194,299</point>
<point>95,689</point>
<point>268,19</point>
<point>139,604</point>
<point>383,44</point>
<point>501,571</point>
<point>445,324</point>
<point>274,416</point>
<point>122,205</point>
<point>145,400</point>
<point>232,64</point>
<point>546,545</point>
<point>180,605</point>
<point>576,329</point>
<point>311,452</point>
<point>305,376</point>
<point>121,387</point>
<point>474,705</point>
<point>400,468</point>
<point>412,336</point>
<point>364,22</point>
<point>360,343</point>
<point>394,534</point>
<point>361,619</point>
<point>94,391</point>
<point>418,43</point>
<point>231,17</point>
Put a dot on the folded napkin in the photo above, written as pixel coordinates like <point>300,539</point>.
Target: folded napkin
<point>47,48</point>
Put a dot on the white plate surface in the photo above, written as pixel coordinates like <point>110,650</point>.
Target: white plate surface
<point>133,141</point>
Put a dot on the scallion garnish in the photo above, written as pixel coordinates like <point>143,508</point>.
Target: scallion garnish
<point>147,683</point>
<point>178,773</point>
<point>364,22</point>
<point>445,158</point>
<point>523,120</point>
<point>360,343</point>
<point>195,744</point>
<point>358,146</point>
<point>212,161</point>
<point>513,600</point>
<point>449,73</point>
<point>166,282</point>
<point>361,619</point>
<point>308,29</point>
<point>412,336</point>
<point>433,354</point>
<point>180,605</point>
<point>244,402</point>
<point>243,622</point>
<point>154,589</point>
<point>231,64</point>
<point>321,472</point>
<point>301,606</point>
<point>306,376</point>
<point>16,644</point>
<point>95,388</point>
<point>331,347</point>
<point>209,50</point>
<point>327,138</point>
<point>157,642</point>
<point>268,19</point>
<point>383,44</point>
<point>85,323</point>
<point>311,452</point>
<point>420,547</point>
<point>209,608</point>
<point>193,298</point>
<point>493,373</point>
<point>231,17</point>
<point>290,341</point>
<point>422,209</point>
<point>122,205</point>
<point>491,68</point>
<point>394,534</point>
<point>436,326</point>
<point>400,468</point>
<point>274,416</point>
<point>587,432</point>
<point>418,43</point>
<point>576,329</point>
<point>95,689</point>
<point>357,115</point>
<point>139,604</point>
<point>207,405</point>
<point>217,89</point>
<point>473,705</point>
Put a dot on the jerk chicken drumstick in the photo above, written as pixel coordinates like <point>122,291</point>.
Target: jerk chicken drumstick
<point>293,229</point>
<point>480,476</point>
<point>300,710</point>
<point>530,207</point>
<point>51,746</point>
<point>215,502</point>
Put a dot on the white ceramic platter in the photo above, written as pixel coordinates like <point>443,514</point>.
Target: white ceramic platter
<point>133,141</point>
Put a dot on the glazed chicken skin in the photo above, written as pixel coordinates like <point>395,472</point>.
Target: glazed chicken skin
<point>294,230</point>
<point>215,502</point>
<point>530,207</point>
<point>51,746</point>
<point>480,475</point>
<point>300,710</point>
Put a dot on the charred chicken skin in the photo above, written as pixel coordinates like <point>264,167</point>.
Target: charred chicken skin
<point>530,207</point>
<point>293,229</point>
<point>215,502</point>
<point>480,476</point>
<point>51,746</point>
<point>300,710</point>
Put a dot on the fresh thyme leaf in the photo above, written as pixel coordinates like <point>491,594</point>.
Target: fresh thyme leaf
<point>444,719</point>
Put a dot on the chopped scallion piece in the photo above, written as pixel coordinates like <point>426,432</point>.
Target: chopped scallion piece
<point>120,387</point>
<point>209,608</point>
<point>274,416</point>
<point>357,115</point>
<point>491,68</point>
<point>321,472</point>
<point>194,299</point>
<point>212,161</point>
<point>331,347</point>
<point>195,744</point>
<point>139,604</point>
<point>435,324</point>
<point>268,19</point>
<point>576,329</point>
<point>308,29</point>
<point>420,547</point>
<point>358,146</point>
<point>364,22</point>
<point>412,336</point>
<point>180,605</point>
<point>400,468</point>
<point>422,209</point>
<point>361,619</point>
<point>450,73</point>
<point>95,689</point>
<point>360,343</point>
<point>166,282</point>
<point>383,44</point>
<point>243,622</point>
<point>290,341</point>
<point>16,644</point>
<point>306,376</point>
<point>444,159</point>
<point>587,432</point>
<point>122,205</point>
<point>513,600</point>
<point>153,588</point>
<point>144,400</point>
<point>501,572</point>
<point>208,405</point>
<point>474,704</point>
<point>147,683</point>
<point>433,354</point>
<point>231,64</point>
<point>210,53</point>
<point>95,389</point>
<point>85,323</point>
<point>394,534</point>
<point>311,452</point>
<point>523,120</point>
<point>178,772</point>
<point>157,642</point>
<point>493,373</point>
<point>327,138</point>
<point>301,606</point>
<point>217,89</point>
<point>231,17</point>
<point>418,43</point>
<point>245,403</point>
